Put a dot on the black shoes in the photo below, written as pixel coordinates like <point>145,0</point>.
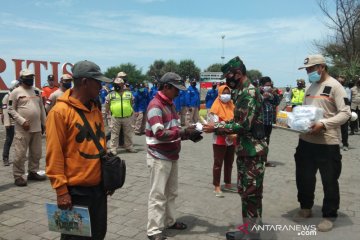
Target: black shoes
<point>20,182</point>
<point>158,236</point>
<point>6,162</point>
<point>36,177</point>
<point>238,235</point>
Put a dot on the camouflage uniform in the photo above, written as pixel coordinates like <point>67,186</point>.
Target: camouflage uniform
<point>251,152</point>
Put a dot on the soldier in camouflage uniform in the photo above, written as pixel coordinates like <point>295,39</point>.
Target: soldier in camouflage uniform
<point>252,148</point>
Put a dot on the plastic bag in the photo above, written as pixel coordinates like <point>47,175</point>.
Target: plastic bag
<point>303,117</point>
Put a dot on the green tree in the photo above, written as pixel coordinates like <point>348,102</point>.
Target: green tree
<point>188,69</point>
<point>156,70</point>
<point>254,74</point>
<point>343,46</point>
<point>134,75</point>
<point>216,67</point>
<point>171,66</point>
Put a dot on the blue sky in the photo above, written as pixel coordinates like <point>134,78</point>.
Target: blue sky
<point>271,36</point>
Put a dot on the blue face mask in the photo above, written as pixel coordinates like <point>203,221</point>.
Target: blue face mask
<point>67,85</point>
<point>314,77</point>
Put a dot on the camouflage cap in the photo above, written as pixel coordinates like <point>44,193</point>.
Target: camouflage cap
<point>234,64</point>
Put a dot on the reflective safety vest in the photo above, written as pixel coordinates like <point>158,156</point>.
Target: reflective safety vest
<point>120,105</point>
<point>297,96</point>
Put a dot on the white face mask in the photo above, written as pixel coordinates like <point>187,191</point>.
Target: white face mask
<point>267,88</point>
<point>225,97</point>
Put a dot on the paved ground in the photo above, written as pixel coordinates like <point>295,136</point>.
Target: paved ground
<point>22,210</point>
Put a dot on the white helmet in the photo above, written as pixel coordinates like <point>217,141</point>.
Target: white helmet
<point>354,116</point>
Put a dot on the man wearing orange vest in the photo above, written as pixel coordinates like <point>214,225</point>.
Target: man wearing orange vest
<point>47,90</point>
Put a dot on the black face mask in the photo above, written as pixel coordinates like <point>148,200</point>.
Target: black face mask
<point>232,82</point>
<point>117,87</point>
<point>28,81</point>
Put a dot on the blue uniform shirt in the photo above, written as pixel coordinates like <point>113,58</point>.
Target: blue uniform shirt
<point>192,97</point>
<point>211,95</point>
<point>142,99</point>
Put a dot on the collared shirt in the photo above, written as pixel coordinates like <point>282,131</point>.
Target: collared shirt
<point>331,97</point>
<point>163,129</point>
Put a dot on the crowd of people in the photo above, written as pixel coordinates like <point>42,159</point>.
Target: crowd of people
<point>240,115</point>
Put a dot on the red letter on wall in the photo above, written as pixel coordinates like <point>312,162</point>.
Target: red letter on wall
<point>64,68</point>
<point>18,67</point>
<point>55,71</point>
<point>2,69</point>
<point>37,70</point>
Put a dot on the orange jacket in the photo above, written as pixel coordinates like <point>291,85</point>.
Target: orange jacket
<point>47,91</point>
<point>72,158</point>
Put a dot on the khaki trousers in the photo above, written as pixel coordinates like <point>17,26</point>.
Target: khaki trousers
<point>163,191</point>
<point>140,123</point>
<point>22,142</point>
<point>183,119</point>
<point>194,115</point>
<point>117,124</point>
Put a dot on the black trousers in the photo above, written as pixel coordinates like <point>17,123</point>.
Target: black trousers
<point>10,131</point>
<point>96,200</point>
<point>268,130</point>
<point>345,134</point>
<point>355,124</point>
<point>309,158</point>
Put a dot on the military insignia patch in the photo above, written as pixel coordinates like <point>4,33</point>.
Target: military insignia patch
<point>327,90</point>
<point>346,101</point>
<point>306,61</point>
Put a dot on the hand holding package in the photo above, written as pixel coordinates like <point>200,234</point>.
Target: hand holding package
<point>303,117</point>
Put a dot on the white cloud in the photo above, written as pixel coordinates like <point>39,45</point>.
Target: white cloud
<point>115,37</point>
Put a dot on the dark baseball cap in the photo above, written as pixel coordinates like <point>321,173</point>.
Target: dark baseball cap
<point>50,77</point>
<point>173,79</point>
<point>88,69</point>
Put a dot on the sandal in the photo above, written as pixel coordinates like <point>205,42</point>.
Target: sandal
<point>178,226</point>
<point>231,189</point>
<point>219,194</point>
<point>269,164</point>
<point>237,235</point>
<point>158,236</point>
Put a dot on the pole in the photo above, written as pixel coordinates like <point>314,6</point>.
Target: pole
<point>222,53</point>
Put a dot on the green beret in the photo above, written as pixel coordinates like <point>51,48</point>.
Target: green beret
<point>234,64</point>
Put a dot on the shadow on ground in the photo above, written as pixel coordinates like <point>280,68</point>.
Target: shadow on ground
<point>12,205</point>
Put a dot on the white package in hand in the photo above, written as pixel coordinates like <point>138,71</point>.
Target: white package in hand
<point>303,117</point>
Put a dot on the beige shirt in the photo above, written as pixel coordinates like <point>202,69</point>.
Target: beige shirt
<point>50,102</point>
<point>27,105</point>
<point>355,97</point>
<point>8,121</point>
<point>329,95</point>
